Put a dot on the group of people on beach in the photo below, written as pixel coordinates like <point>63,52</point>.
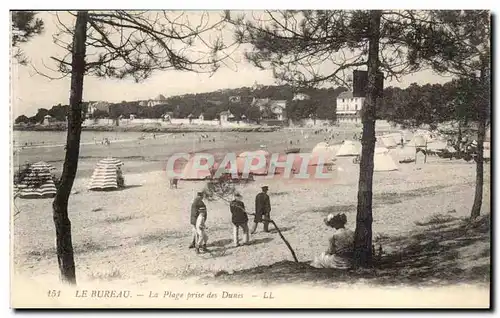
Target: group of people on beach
<point>239,219</point>
<point>339,253</point>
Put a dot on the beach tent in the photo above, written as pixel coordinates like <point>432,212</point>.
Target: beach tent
<point>437,145</point>
<point>321,146</point>
<point>427,135</point>
<point>294,159</point>
<point>252,159</point>
<point>105,176</point>
<point>349,148</point>
<point>324,152</point>
<point>396,137</point>
<point>405,154</point>
<point>38,182</point>
<point>417,141</point>
<point>382,161</point>
<point>191,170</point>
<point>387,141</point>
<point>240,167</point>
<point>407,135</point>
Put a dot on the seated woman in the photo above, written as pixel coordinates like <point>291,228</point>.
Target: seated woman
<point>341,244</point>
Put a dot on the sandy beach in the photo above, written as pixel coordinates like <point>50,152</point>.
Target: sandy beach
<point>142,233</point>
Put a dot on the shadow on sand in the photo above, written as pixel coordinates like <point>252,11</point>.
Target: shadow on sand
<point>445,252</point>
<point>222,247</point>
<point>228,243</point>
<point>130,186</point>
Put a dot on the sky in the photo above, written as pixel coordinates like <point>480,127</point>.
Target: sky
<point>31,91</point>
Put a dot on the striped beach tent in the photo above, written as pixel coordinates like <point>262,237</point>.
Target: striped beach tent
<point>105,176</point>
<point>37,183</point>
<point>110,161</point>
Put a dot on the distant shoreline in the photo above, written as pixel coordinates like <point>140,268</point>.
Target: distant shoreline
<point>149,129</point>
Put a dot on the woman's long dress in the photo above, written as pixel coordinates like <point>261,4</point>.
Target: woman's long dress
<point>339,253</point>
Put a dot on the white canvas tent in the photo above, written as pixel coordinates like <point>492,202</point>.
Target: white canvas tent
<point>437,145</point>
<point>320,146</point>
<point>397,137</point>
<point>251,160</point>
<point>191,170</point>
<point>324,153</point>
<point>417,141</point>
<point>407,135</point>
<point>387,141</point>
<point>105,176</point>
<point>382,161</point>
<point>38,182</point>
<point>349,148</point>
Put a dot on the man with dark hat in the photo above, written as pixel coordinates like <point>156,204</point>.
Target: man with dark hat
<point>196,207</point>
<point>239,219</point>
<point>262,210</point>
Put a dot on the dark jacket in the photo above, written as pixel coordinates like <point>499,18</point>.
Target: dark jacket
<point>197,207</point>
<point>239,215</point>
<point>262,206</point>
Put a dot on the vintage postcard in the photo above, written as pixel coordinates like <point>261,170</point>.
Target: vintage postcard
<point>250,159</point>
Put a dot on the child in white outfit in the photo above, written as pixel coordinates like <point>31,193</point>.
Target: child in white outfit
<point>202,236</point>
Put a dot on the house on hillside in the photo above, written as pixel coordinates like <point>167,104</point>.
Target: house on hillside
<point>226,117</point>
<point>262,103</point>
<point>47,120</point>
<point>301,96</point>
<point>158,100</point>
<point>271,109</point>
<point>101,106</point>
<point>234,99</point>
<point>278,108</point>
<point>349,108</point>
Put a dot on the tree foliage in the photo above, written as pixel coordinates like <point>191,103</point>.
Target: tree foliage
<point>25,25</point>
<point>305,48</point>
<point>134,44</point>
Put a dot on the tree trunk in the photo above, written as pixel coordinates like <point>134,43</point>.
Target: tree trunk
<point>62,223</point>
<point>481,132</point>
<point>363,233</point>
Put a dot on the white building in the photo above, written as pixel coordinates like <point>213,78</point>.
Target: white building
<point>226,116</point>
<point>102,106</point>
<point>276,107</point>
<point>301,96</point>
<point>349,108</point>
<point>47,120</point>
<point>158,100</point>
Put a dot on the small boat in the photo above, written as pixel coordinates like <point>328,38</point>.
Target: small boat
<point>292,150</point>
